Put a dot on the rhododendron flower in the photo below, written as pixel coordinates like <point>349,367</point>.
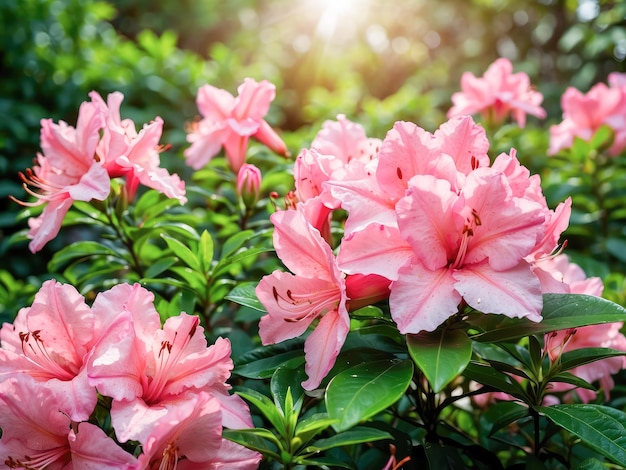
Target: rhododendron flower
<point>585,113</point>
<point>467,246</point>
<point>229,122</point>
<point>187,435</point>
<point>497,94</point>
<point>66,171</point>
<point>50,341</point>
<point>37,434</point>
<point>444,226</point>
<point>140,365</point>
<point>124,152</point>
<point>315,290</point>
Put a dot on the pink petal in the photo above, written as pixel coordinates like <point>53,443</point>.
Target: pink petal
<point>422,299</point>
<point>429,219</point>
<point>214,103</point>
<point>515,292</point>
<point>45,227</point>
<point>465,141</point>
<point>292,303</point>
<point>253,100</point>
<point>406,151</point>
<point>322,346</point>
<point>509,227</point>
<point>92,449</point>
<point>377,249</point>
<point>301,247</point>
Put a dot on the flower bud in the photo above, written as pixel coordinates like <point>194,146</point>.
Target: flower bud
<point>249,184</point>
<point>366,289</point>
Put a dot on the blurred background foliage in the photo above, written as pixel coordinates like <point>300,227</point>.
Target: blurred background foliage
<point>376,62</point>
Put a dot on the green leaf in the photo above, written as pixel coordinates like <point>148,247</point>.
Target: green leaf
<point>233,243</point>
<point>285,379</point>
<point>356,435</point>
<point>578,357</point>
<point>486,375</point>
<point>265,406</point>
<point>361,392</point>
<point>441,355</point>
<point>569,378</point>
<point>508,412</point>
<point>600,427</point>
<point>159,266</point>
<point>261,363</point>
<point>255,439</point>
<point>560,311</point>
<point>205,251</point>
<point>183,252</point>
<point>83,249</point>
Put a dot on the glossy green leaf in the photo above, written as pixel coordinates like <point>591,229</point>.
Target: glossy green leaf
<point>285,379</point>
<point>265,406</point>
<point>600,427</point>
<point>205,251</point>
<point>183,252</point>
<point>261,440</point>
<point>441,355</point>
<point>560,311</point>
<point>356,435</point>
<point>362,391</point>
<point>83,249</point>
<point>487,375</point>
<point>262,362</point>
<point>578,357</point>
<point>569,378</point>
<point>233,243</point>
<point>507,412</point>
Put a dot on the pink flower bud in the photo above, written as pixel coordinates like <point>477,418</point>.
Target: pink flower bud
<point>249,184</point>
<point>366,289</point>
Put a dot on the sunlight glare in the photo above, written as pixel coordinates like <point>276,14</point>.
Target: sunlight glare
<point>335,11</point>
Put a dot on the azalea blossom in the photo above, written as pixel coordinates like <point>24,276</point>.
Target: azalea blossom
<point>50,342</point>
<point>315,291</point>
<point>67,170</point>
<point>140,365</point>
<point>124,152</point>
<point>187,435</point>
<point>466,246</point>
<point>498,94</point>
<point>585,113</point>
<point>37,434</point>
<point>229,122</point>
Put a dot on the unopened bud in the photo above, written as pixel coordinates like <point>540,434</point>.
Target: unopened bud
<point>366,289</point>
<point>249,184</point>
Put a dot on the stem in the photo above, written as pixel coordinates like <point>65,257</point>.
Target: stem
<point>537,444</point>
<point>113,222</point>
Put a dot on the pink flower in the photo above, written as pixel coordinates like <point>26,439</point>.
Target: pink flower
<point>585,113</point>
<point>187,435</point>
<point>124,152</point>
<point>50,341</point>
<point>36,434</point>
<point>468,246</point>
<point>66,171</point>
<point>229,122</point>
<point>140,365</point>
<point>315,290</point>
<point>498,93</point>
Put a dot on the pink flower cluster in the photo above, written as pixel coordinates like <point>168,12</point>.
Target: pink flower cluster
<point>168,389</point>
<point>431,223</point>
<point>585,113</point>
<point>77,163</point>
<point>498,94</point>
